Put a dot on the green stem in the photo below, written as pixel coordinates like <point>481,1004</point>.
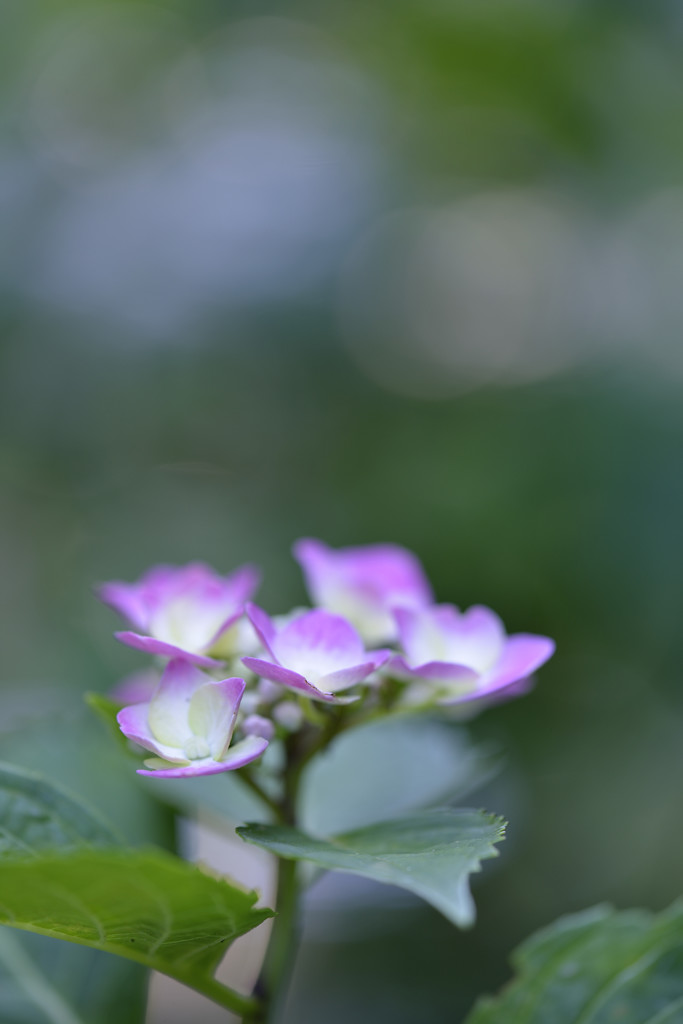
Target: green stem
<point>245,1007</point>
<point>273,982</point>
<point>271,987</point>
<point>253,785</point>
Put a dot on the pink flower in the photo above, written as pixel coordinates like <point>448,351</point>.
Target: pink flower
<point>465,656</point>
<point>183,612</point>
<point>188,725</point>
<point>364,584</point>
<point>318,654</point>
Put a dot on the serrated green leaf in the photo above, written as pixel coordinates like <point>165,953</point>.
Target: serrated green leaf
<point>69,749</point>
<point>63,875</point>
<point>36,984</point>
<point>597,967</point>
<point>431,853</point>
<point>147,906</point>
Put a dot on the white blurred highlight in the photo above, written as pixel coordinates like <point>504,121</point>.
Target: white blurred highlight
<point>509,288</point>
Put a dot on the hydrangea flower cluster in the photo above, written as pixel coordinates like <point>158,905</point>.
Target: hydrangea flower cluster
<point>204,624</point>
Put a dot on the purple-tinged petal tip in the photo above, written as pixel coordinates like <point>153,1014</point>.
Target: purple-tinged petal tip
<point>243,753</point>
<point>159,647</point>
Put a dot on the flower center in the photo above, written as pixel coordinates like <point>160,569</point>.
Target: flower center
<point>196,748</point>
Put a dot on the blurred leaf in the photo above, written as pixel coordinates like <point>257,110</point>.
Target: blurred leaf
<point>26,994</point>
<point>36,973</point>
<point>597,967</point>
<point>106,710</point>
<point>35,815</point>
<point>431,853</point>
<point>147,906</point>
<point>225,795</point>
<point>69,750</point>
<point>368,774</point>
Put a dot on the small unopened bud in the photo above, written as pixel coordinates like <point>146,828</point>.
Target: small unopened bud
<point>257,725</point>
<point>289,715</point>
<point>250,701</point>
<point>268,692</point>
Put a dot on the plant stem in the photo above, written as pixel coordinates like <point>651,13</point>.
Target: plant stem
<point>271,987</point>
<point>273,981</point>
<point>253,785</point>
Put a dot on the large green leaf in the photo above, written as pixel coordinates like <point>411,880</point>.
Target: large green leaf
<point>38,982</point>
<point>63,875</point>
<point>597,967</point>
<point>148,906</point>
<point>431,853</point>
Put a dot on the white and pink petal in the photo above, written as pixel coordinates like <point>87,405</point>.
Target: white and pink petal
<point>243,753</point>
<point>149,645</point>
<point>317,643</point>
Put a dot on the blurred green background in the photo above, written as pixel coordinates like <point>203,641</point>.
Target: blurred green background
<point>359,270</point>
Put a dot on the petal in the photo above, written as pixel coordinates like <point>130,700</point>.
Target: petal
<point>229,594</point>
<point>344,678</point>
<point>363,583</point>
<point>292,680</point>
<point>434,671</point>
<point>441,633</point>
<point>478,638</point>
<point>160,762</point>
<point>317,643</point>
<point>151,646</point>
<point>379,657</point>
<point>134,724</point>
<point>423,633</point>
<point>523,654</point>
<point>263,626</point>
<point>224,627</point>
<point>213,711</point>
<point>235,638</point>
<point>201,605</point>
<point>315,559</point>
<point>126,599</point>
<point>169,707</point>
<point>284,676</point>
<point>512,690</point>
<point>379,569</point>
<point>238,756</point>
<point>242,583</point>
<point>245,751</point>
<point>138,601</point>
